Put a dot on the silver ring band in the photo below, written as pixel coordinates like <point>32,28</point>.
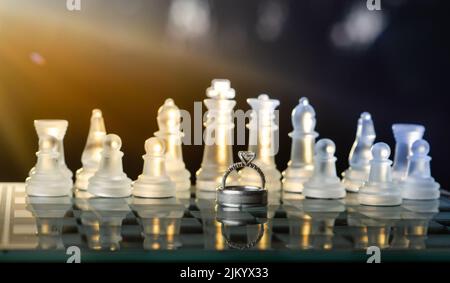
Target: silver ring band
<point>246,161</point>
<point>242,196</point>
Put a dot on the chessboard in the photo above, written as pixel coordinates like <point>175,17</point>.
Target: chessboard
<point>192,227</point>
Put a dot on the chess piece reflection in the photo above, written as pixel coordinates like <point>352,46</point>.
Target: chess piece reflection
<point>47,179</point>
<point>169,119</point>
<point>262,141</point>
<point>92,153</point>
<point>405,135</point>
<point>218,136</point>
<point>379,190</point>
<point>154,181</point>
<point>360,154</point>
<point>102,222</point>
<point>311,222</point>
<point>212,229</point>
<point>301,165</point>
<point>110,180</point>
<point>160,221</point>
<point>324,183</point>
<point>57,129</point>
<point>49,213</point>
<point>418,183</point>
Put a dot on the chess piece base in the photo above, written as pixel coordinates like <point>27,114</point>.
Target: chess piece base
<point>376,195</point>
<point>109,187</point>
<point>82,178</point>
<point>152,188</point>
<point>324,190</point>
<point>353,179</point>
<point>212,184</point>
<point>48,186</point>
<point>295,178</point>
<point>181,178</point>
<point>420,189</point>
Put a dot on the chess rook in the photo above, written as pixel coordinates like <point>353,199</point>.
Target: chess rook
<point>57,129</point>
<point>92,152</point>
<point>48,179</point>
<point>324,183</point>
<point>169,119</point>
<point>218,136</point>
<point>262,141</point>
<point>301,165</point>
<point>360,154</point>
<point>405,135</point>
<point>418,183</point>
<point>154,181</point>
<point>110,180</point>
<point>380,190</point>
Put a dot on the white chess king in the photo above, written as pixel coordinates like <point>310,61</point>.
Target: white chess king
<point>300,167</point>
<point>264,142</point>
<point>92,152</point>
<point>218,136</point>
<point>360,154</point>
<point>169,124</point>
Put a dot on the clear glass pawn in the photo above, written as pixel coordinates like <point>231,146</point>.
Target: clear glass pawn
<point>154,181</point>
<point>360,154</point>
<point>324,184</point>
<point>262,141</point>
<point>47,179</point>
<point>301,166</point>
<point>405,135</point>
<point>169,123</point>
<point>110,181</point>
<point>218,136</point>
<point>380,190</point>
<point>92,153</point>
<point>418,183</point>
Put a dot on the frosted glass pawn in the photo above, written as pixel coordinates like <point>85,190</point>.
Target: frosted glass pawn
<point>262,141</point>
<point>324,184</point>
<point>301,166</point>
<point>110,180</point>
<point>418,184</point>
<point>169,123</point>
<point>405,135</point>
<point>379,190</point>
<point>57,129</point>
<point>92,153</point>
<point>154,181</point>
<point>48,180</point>
<point>360,154</point>
<point>218,136</point>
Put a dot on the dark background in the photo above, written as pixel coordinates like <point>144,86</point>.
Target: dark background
<point>126,58</point>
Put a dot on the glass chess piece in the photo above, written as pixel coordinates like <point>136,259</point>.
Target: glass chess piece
<point>360,154</point>
<point>110,181</point>
<point>301,166</point>
<point>262,141</point>
<point>92,153</point>
<point>47,179</point>
<point>218,136</point>
<point>324,183</point>
<point>405,135</point>
<point>169,123</point>
<point>418,183</point>
<point>57,129</point>
<point>154,181</point>
<point>380,190</point>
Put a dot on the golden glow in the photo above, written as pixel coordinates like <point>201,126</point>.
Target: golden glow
<point>264,243</point>
<point>219,237</point>
<point>156,226</point>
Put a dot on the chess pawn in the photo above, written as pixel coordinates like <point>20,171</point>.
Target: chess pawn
<point>92,153</point>
<point>379,190</point>
<point>169,119</point>
<point>218,136</point>
<point>48,180</point>
<point>110,181</point>
<point>300,167</point>
<point>154,181</point>
<point>262,129</point>
<point>405,135</point>
<point>57,129</point>
<point>418,183</point>
<point>324,183</point>
<point>360,154</point>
